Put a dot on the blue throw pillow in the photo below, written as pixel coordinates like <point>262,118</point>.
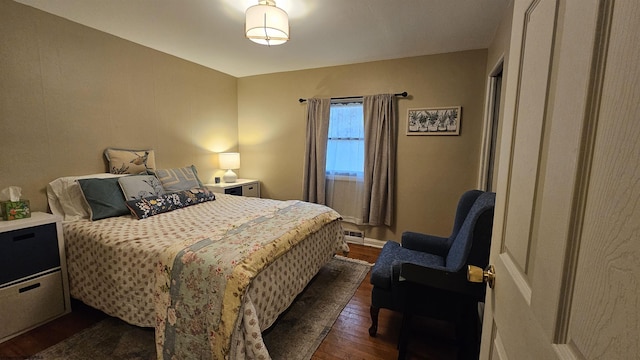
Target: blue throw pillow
<point>104,197</point>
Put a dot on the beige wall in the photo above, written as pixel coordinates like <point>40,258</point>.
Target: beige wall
<point>432,171</point>
<point>67,92</point>
<point>499,47</point>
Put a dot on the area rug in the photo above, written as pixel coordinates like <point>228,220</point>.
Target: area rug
<point>295,335</point>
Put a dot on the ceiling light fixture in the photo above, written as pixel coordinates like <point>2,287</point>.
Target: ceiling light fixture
<point>266,23</point>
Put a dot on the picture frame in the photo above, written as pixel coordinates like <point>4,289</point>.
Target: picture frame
<point>434,120</point>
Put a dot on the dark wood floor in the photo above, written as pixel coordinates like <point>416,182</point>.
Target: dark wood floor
<point>348,338</point>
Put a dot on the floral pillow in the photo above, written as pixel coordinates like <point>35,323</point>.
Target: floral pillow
<point>136,187</point>
<point>123,161</point>
<point>154,205</point>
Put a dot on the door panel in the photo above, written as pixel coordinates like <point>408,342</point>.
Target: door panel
<point>604,321</point>
<point>566,244</point>
<point>529,121</point>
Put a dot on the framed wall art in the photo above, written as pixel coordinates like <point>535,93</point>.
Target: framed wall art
<point>434,121</point>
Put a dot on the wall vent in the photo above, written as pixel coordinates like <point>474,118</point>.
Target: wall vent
<point>354,236</point>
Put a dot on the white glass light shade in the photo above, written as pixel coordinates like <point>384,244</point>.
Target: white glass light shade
<point>267,24</point>
<point>229,161</point>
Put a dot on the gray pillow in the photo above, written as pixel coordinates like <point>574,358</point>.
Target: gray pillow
<point>178,179</point>
<point>104,197</point>
<point>140,186</point>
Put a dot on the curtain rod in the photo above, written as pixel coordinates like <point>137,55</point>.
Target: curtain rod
<point>403,94</point>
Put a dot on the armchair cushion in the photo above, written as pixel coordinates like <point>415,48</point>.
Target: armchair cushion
<point>387,268</point>
<point>462,211</point>
<point>440,245</point>
<point>479,219</point>
<point>425,243</point>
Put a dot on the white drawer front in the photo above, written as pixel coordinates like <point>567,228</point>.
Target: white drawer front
<point>250,190</point>
<point>30,303</point>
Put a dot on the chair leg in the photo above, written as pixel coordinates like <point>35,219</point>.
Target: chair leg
<point>467,332</point>
<point>374,311</point>
<point>403,340</point>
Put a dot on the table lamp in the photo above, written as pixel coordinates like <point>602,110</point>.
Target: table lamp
<point>229,161</point>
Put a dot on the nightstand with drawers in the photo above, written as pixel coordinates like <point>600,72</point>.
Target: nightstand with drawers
<point>33,275</point>
<point>242,187</point>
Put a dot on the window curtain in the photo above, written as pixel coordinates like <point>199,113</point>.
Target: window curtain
<point>316,150</point>
<point>380,134</point>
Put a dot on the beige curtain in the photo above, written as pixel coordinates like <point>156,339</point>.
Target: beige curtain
<point>380,133</point>
<point>316,150</point>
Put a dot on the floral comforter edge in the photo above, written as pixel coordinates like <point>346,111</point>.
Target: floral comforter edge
<point>195,321</point>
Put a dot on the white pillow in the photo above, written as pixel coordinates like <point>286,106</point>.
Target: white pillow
<point>65,196</point>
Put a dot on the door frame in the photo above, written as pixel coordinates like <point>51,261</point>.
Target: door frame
<point>489,136</point>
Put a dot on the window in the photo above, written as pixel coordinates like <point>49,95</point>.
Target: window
<point>345,146</point>
<point>345,160</point>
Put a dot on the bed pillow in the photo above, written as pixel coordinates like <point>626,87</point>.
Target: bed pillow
<point>65,197</point>
<point>140,186</point>
<point>124,161</point>
<point>104,197</point>
<point>178,179</point>
<point>154,205</point>
<point>195,172</point>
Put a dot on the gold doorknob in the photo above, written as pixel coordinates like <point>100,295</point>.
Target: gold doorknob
<point>477,275</point>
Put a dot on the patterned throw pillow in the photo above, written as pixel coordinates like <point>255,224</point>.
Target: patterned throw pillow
<point>178,179</point>
<point>123,161</point>
<point>154,205</point>
<point>104,197</point>
<point>140,186</point>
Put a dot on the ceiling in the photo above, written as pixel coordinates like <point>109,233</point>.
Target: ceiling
<point>323,32</point>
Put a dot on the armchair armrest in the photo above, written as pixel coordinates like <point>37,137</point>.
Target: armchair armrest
<point>442,279</point>
<point>425,243</point>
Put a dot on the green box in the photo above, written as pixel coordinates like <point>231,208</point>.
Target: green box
<point>13,210</point>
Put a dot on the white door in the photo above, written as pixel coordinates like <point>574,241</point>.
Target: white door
<point>566,244</point>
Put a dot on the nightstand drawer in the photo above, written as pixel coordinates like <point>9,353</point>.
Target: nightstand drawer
<point>32,302</point>
<point>242,187</point>
<point>234,191</point>
<point>28,251</point>
<point>250,190</point>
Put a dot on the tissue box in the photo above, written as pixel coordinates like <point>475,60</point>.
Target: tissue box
<point>13,210</point>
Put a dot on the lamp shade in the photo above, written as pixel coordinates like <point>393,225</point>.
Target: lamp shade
<point>229,160</point>
<point>266,24</point>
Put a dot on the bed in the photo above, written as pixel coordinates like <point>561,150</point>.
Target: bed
<point>208,277</point>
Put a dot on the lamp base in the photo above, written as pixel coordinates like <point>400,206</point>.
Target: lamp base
<point>230,176</point>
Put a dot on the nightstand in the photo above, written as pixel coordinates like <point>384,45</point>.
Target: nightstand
<point>34,287</point>
<point>242,187</point>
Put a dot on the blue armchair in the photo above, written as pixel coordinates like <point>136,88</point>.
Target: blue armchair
<point>436,267</point>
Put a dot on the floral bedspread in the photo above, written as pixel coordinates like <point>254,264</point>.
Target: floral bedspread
<point>113,266</point>
<point>196,321</point>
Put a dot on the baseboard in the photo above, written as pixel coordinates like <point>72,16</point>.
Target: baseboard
<point>364,241</point>
<point>354,240</point>
<point>374,242</point>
